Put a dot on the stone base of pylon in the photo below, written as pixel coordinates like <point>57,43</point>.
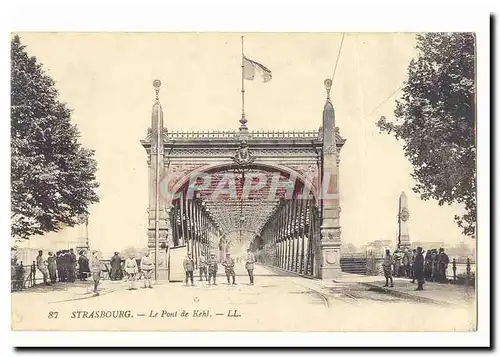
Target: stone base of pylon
<point>330,253</point>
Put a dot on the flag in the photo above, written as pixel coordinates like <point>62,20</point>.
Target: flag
<point>250,67</point>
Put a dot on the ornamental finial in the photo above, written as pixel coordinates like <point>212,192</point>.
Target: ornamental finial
<point>157,85</point>
<point>328,86</point>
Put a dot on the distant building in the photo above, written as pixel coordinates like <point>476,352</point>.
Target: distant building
<point>378,247</point>
<point>429,245</point>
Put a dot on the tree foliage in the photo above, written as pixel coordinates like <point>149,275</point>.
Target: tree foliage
<point>435,118</point>
<point>53,179</point>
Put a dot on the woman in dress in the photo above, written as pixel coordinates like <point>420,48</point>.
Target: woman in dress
<point>83,266</point>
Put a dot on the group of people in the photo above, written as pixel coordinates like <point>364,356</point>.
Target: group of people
<point>60,266</point>
<point>208,267</point>
<point>136,271</point>
<point>63,265</point>
<point>413,265</point>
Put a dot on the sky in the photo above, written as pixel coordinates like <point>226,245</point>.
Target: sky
<point>106,79</point>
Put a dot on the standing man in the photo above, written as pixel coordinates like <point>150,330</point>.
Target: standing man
<point>64,265</point>
<point>435,265</point>
<point>412,262</point>
<point>41,264</point>
<point>212,268</point>
<point>202,264</point>
<point>147,266</point>
<point>116,266</point>
<point>52,267</point>
<point>132,270</point>
<point>427,265</point>
<point>387,265</point>
<point>72,265</point>
<point>189,268</point>
<point>95,270</point>
<point>228,264</point>
<point>418,266</point>
<point>443,261</point>
<point>249,265</point>
<point>59,264</point>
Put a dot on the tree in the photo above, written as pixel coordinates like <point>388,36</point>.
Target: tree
<point>435,118</point>
<point>53,179</point>
<point>136,252</point>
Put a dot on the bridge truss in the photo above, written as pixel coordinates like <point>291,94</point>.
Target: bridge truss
<point>268,186</point>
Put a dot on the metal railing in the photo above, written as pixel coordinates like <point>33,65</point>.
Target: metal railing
<point>256,134</point>
<point>23,282</point>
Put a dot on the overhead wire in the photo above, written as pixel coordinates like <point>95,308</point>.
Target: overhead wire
<point>385,100</point>
<point>338,56</point>
<point>335,71</point>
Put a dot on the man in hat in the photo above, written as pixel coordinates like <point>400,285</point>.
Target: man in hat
<point>249,265</point>
<point>212,268</point>
<point>95,270</point>
<point>427,265</point>
<point>387,265</point>
<point>202,264</point>
<point>412,262</point>
<point>52,267</point>
<point>132,269</point>
<point>189,268</point>
<point>418,267</point>
<point>72,266</point>
<point>147,266</point>
<point>443,261</point>
<point>434,259</point>
<point>228,264</point>
<point>41,264</point>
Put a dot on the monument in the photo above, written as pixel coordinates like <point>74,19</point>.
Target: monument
<point>403,217</point>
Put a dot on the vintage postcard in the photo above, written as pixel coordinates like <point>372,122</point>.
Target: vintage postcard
<point>256,182</point>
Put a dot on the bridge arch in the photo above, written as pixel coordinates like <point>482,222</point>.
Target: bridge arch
<point>184,180</point>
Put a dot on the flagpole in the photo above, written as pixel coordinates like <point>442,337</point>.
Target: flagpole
<point>243,120</point>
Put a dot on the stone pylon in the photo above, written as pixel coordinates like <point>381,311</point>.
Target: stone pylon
<point>158,224</point>
<point>403,217</point>
<point>330,225</point>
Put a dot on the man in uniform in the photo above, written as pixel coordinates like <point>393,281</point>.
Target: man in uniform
<point>387,265</point>
<point>212,268</point>
<point>249,265</point>
<point>132,269</point>
<point>72,265</point>
<point>95,269</point>
<point>418,267</point>
<point>443,262</point>
<point>41,264</point>
<point>189,268</point>
<point>228,264</point>
<point>147,266</point>
<point>59,264</point>
<point>412,262</point>
<point>202,264</point>
<point>435,265</point>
